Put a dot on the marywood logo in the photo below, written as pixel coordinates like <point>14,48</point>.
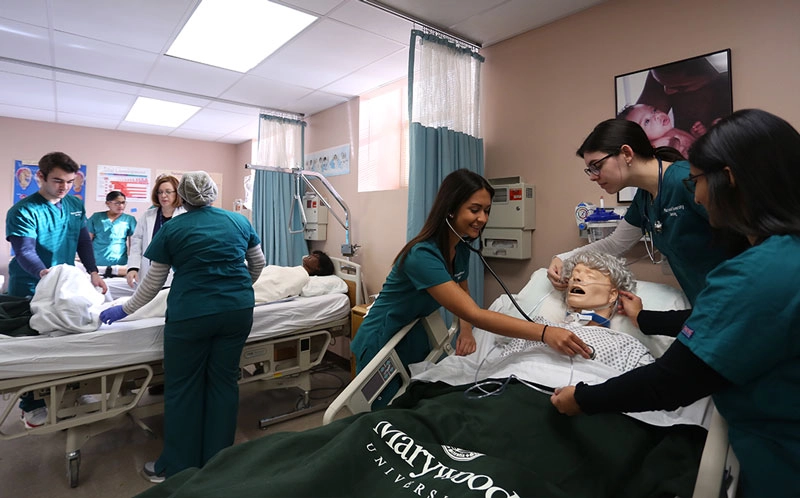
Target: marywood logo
<point>425,465</point>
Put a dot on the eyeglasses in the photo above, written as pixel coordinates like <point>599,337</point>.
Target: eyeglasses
<point>165,192</point>
<point>690,182</point>
<point>595,166</point>
<point>119,203</point>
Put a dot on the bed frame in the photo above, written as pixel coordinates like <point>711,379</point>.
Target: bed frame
<point>273,363</point>
<point>718,473</point>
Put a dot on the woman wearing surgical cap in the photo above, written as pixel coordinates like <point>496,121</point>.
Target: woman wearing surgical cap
<point>209,316</point>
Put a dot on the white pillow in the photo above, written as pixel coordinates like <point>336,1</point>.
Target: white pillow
<point>321,285</point>
<point>538,297</point>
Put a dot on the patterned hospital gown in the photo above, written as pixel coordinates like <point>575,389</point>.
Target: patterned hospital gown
<point>615,349</point>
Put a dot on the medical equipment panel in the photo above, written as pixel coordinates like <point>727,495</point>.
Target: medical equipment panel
<point>316,215</point>
<point>513,204</point>
<point>512,220</point>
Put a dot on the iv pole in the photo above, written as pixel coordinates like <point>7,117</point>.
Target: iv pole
<point>348,249</point>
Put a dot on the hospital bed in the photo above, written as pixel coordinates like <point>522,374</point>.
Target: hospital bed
<point>117,363</point>
<point>718,470</point>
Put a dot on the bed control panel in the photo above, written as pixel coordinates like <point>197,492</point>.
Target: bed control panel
<point>375,384</point>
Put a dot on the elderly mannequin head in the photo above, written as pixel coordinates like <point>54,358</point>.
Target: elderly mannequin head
<point>594,280</point>
<point>197,189</point>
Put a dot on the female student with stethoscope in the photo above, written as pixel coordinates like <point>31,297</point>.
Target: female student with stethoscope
<point>618,154</point>
<point>431,272</point>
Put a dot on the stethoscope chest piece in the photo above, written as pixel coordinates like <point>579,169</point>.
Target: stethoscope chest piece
<point>658,226</point>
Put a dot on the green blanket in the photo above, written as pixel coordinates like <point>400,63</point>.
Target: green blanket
<point>435,443</point>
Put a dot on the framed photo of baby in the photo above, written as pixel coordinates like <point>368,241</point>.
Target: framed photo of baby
<point>678,102</point>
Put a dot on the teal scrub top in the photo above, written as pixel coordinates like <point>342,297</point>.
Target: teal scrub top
<point>206,248</point>
<point>403,298</point>
<point>56,230</point>
<point>746,326</point>
<point>110,237</point>
<point>685,237</point>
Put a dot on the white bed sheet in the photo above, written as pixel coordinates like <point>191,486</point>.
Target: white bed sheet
<point>140,341</point>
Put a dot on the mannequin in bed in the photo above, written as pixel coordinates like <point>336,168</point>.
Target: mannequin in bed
<point>280,282</point>
<point>594,283</point>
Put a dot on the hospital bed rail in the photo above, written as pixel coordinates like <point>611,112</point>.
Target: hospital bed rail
<point>368,385</point>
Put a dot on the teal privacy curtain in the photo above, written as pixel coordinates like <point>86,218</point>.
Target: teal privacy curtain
<point>444,135</point>
<point>280,144</point>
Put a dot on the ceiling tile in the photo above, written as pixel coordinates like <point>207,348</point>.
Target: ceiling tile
<point>88,121</point>
<point>142,24</point>
<point>317,7</point>
<point>76,99</point>
<point>370,77</point>
<point>27,11</point>
<point>24,42</point>
<point>316,102</point>
<point>27,91</point>
<point>379,22</point>
<point>222,122</point>
<point>265,93</point>
<point>100,58</point>
<point>188,76</point>
<point>329,50</point>
<point>19,112</point>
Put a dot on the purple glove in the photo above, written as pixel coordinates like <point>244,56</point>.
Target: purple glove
<point>112,314</point>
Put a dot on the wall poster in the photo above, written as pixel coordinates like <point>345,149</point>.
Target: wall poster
<point>676,103</point>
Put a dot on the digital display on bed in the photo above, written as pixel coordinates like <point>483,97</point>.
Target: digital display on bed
<point>374,384</point>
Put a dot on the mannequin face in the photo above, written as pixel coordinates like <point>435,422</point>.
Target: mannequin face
<point>589,289</point>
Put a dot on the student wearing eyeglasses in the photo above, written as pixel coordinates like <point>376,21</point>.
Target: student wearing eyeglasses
<point>111,231</point>
<point>740,344</point>
<point>618,154</point>
<point>166,205</point>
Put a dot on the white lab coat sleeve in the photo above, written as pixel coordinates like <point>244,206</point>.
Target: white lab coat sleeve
<point>621,239</point>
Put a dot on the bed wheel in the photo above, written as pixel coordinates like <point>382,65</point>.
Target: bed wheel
<point>303,402</point>
<point>73,467</point>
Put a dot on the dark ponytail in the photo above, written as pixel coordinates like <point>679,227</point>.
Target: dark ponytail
<point>610,135</point>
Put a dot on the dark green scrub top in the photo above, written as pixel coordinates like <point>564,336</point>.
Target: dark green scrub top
<point>685,237</point>
<point>746,326</point>
<point>206,248</point>
<point>403,298</point>
<point>56,230</point>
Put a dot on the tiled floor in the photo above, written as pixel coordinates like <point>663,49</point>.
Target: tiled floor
<point>35,466</point>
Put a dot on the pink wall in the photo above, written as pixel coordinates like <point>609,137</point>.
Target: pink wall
<point>544,90</point>
<point>29,140</point>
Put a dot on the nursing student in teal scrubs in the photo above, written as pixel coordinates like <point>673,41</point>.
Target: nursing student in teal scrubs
<point>618,154</point>
<point>47,229</point>
<point>209,316</point>
<point>741,344</point>
<point>431,272</point>
<point>111,231</point>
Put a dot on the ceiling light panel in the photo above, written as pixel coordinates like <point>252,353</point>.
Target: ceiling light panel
<point>237,34</point>
<point>160,112</point>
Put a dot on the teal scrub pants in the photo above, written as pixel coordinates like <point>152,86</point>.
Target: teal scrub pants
<point>201,389</point>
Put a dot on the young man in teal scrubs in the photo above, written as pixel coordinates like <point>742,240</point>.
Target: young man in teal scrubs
<point>47,229</point>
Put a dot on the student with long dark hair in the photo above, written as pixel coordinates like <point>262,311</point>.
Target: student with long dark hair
<point>618,154</point>
<point>431,271</point>
<point>740,343</point>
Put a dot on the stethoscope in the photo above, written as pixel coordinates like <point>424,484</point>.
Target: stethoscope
<point>650,228</point>
<point>494,387</point>
<point>486,265</point>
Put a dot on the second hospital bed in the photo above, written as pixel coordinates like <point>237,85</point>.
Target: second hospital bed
<point>117,363</point>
